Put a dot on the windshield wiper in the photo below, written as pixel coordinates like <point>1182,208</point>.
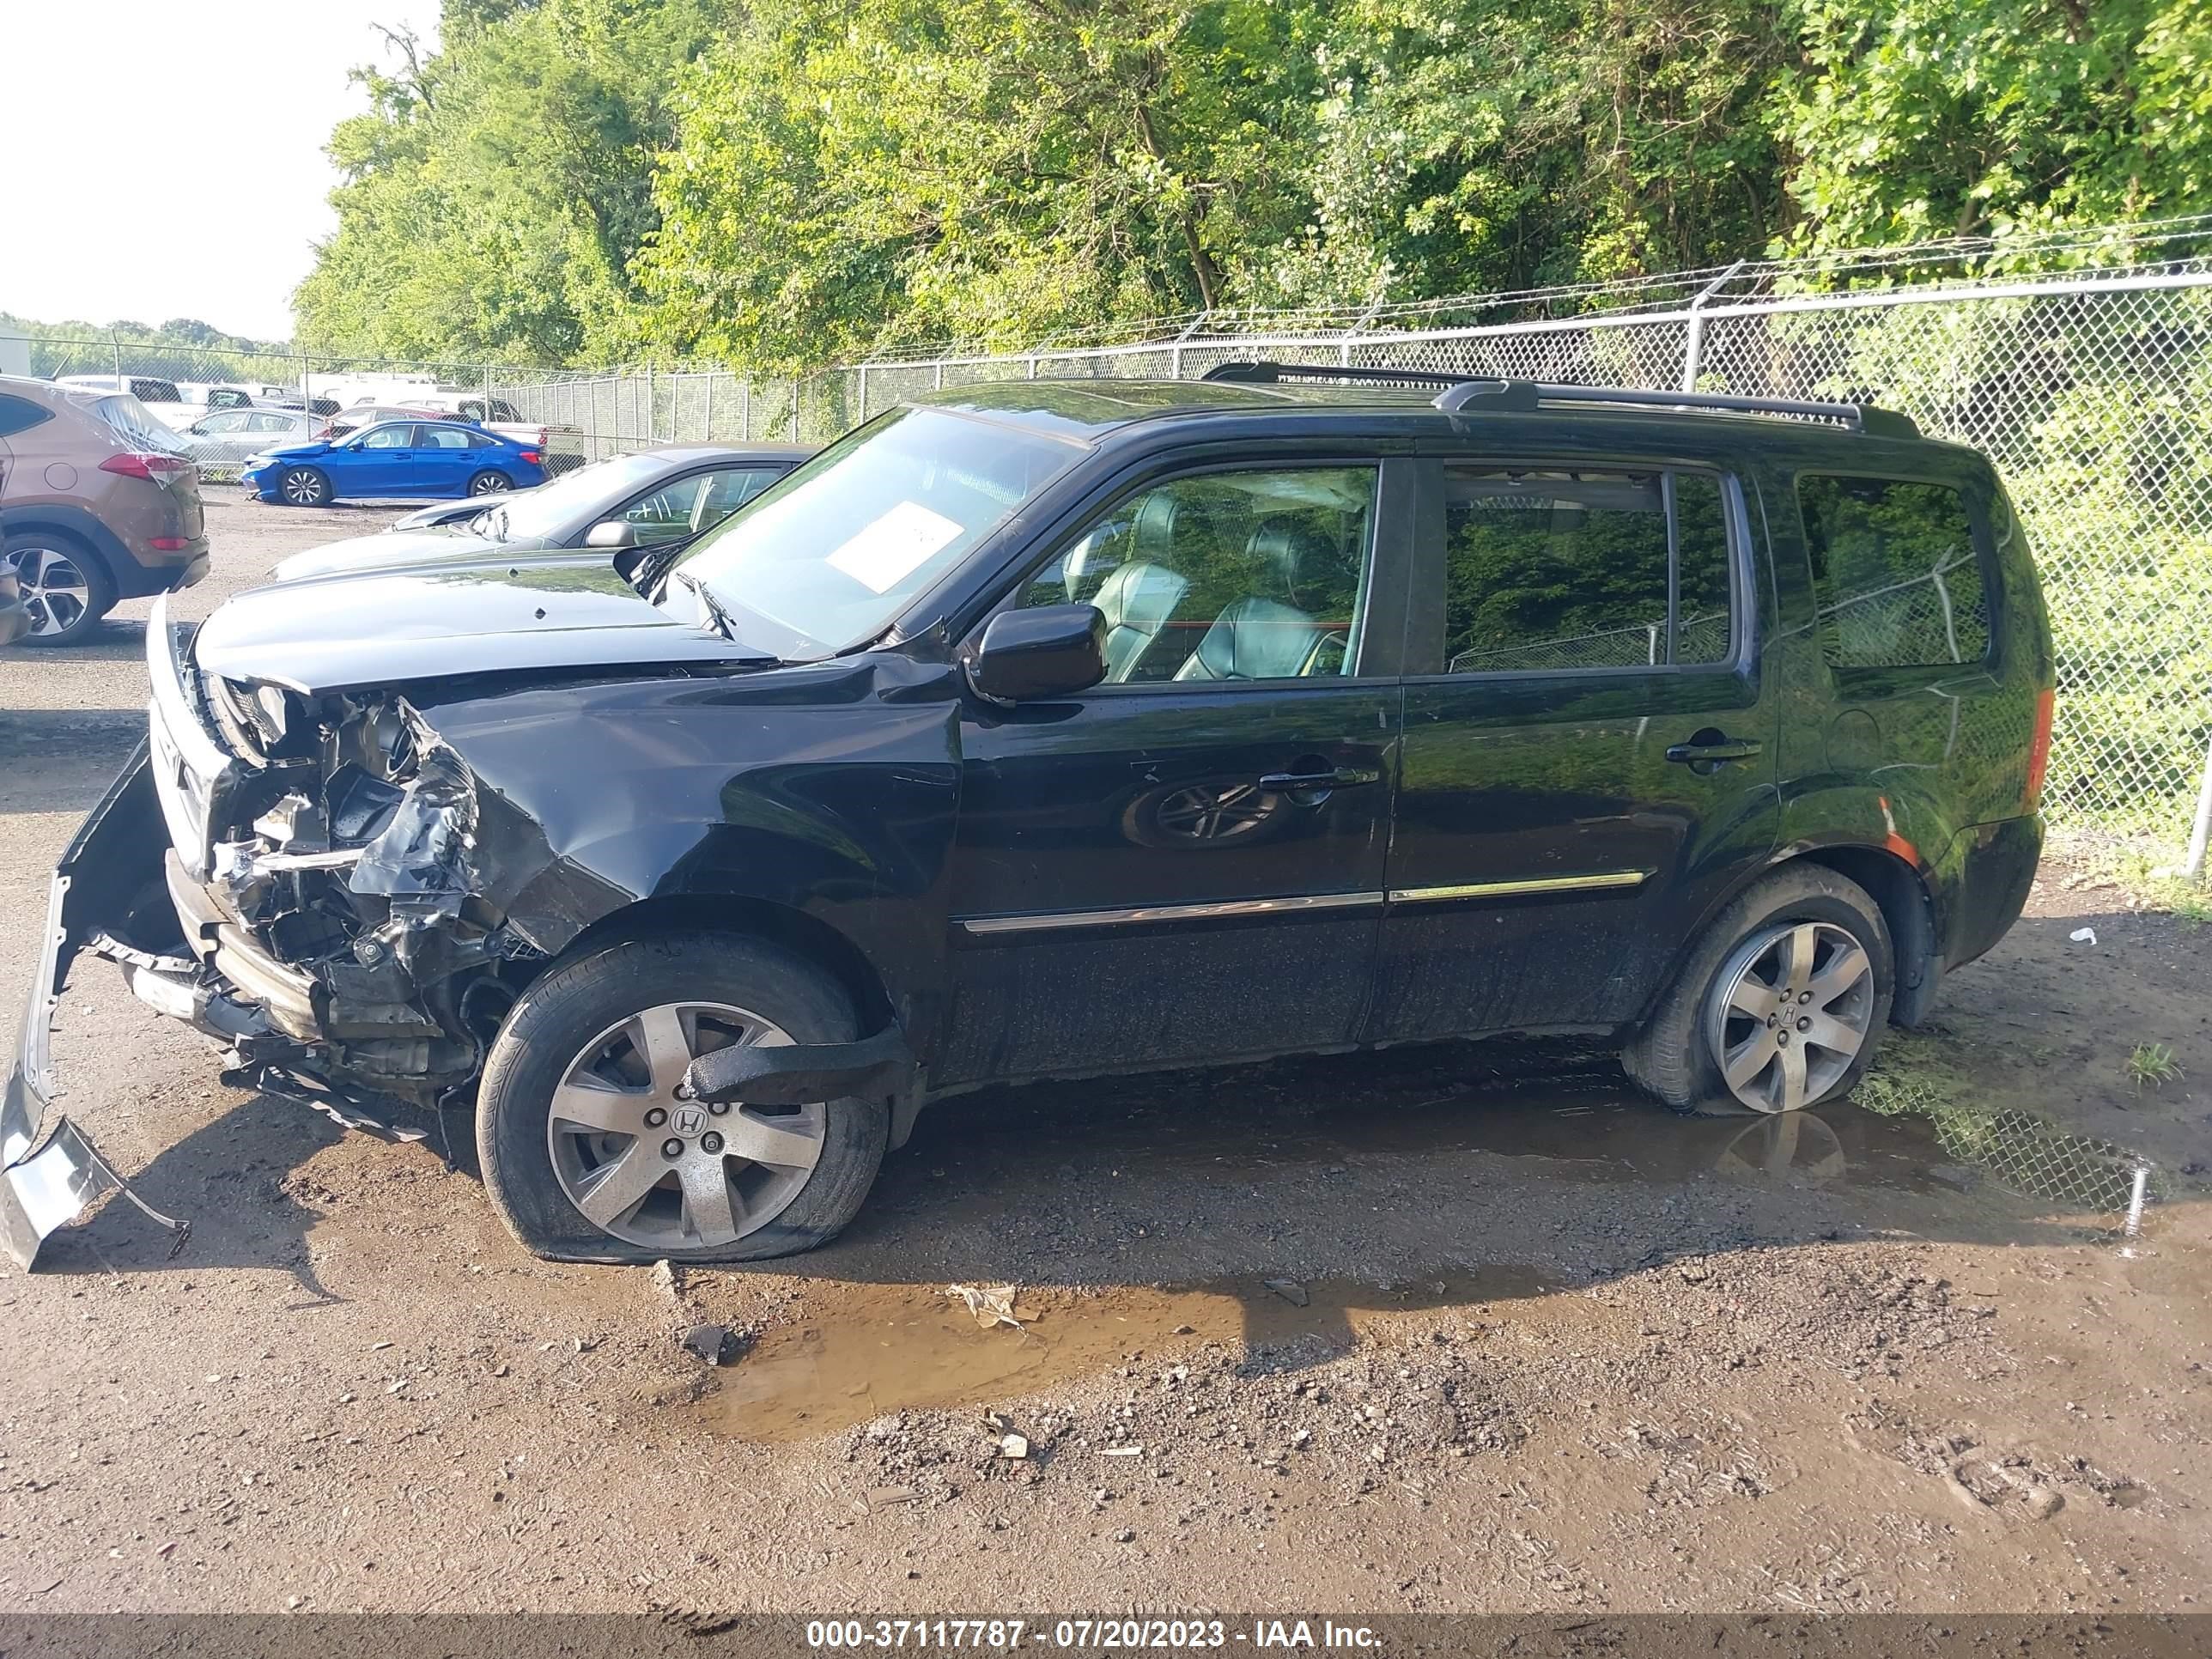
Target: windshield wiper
<point>652,569</point>
<point>725,623</point>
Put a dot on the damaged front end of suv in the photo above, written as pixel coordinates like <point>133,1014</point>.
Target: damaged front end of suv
<point>301,878</point>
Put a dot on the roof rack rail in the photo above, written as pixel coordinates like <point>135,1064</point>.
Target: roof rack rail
<point>1264,373</point>
<point>1501,396</point>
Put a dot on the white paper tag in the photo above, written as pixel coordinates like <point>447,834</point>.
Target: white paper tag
<point>891,548</point>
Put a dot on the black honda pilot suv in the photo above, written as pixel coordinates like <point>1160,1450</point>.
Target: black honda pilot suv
<point>1038,729</point>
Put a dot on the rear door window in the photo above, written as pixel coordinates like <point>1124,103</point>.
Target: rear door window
<point>1896,571</point>
<point>1567,569</point>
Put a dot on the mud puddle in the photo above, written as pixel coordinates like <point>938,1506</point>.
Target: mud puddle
<point>882,1348</point>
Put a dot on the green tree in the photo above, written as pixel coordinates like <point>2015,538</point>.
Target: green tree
<point>850,176</point>
<point>496,191</point>
<point>1942,118</point>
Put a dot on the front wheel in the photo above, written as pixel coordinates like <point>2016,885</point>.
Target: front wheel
<point>489,482</point>
<point>304,486</point>
<point>1780,1006</point>
<point>590,1154</point>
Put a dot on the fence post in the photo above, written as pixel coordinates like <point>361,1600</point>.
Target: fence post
<point>794,409</point>
<point>707,421</point>
<point>745,409</point>
<point>307,392</point>
<point>1693,340</point>
<point>1175,351</point>
<point>2193,866</point>
<point>863,419</point>
<point>115,345</point>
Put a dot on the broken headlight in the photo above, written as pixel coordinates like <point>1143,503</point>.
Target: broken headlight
<point>254,719</point>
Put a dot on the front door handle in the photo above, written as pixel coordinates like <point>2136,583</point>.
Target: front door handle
<point>1709,749</point>
<point>1344,777</point>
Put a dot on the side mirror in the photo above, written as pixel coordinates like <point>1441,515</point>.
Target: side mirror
<point>612,533</point>
<point>1050,652</point>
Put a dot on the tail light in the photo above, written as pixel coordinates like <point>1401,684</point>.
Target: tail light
<point>2039,750</point>
<point>154,467</point>
<point>167,544</point>
<point>534,457</point>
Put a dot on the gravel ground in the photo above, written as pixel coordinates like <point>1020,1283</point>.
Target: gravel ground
<point>1456,1328</point>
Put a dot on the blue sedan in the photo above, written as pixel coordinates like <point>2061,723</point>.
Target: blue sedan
<point>441,459</point>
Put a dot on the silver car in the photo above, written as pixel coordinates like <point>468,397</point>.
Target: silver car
<point>220,442</point>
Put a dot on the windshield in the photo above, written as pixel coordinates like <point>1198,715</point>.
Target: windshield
<point>551,509</point>
<point>829,555</point>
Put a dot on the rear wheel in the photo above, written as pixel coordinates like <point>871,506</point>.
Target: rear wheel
<point>304,486</point>
<point>489,482</point>
<point>590,1153</point>
<point>1781,1004</point>
<point>66,589</point>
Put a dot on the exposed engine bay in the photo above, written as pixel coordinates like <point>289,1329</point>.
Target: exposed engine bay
<point>341,892</point>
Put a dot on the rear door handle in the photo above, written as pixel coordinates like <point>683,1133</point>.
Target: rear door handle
<point>1344,777</point>
<point>1710,749</point>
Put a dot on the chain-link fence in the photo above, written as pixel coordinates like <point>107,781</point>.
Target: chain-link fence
<point>2092,392</point>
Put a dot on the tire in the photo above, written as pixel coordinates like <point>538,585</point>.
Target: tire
<point>1678,1056</point>
<point>588,1024</point>
<point>66,588</point>
<point>304,486</point>
<point>490,482</point>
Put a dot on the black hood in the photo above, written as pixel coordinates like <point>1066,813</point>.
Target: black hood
<point>392,627</point>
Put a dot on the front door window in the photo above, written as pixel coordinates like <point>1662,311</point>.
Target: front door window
<point>1244,575</point>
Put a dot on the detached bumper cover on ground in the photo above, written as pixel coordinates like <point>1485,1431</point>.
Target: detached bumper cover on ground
<point>50,1170</point>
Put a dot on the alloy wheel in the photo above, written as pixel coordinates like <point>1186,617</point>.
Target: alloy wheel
<point>54,591</point>
<point>1213,811</point>
<point>642,1161</point>
<point>302,488</point>
<point>1790,1012</point>
<point>488,484</point>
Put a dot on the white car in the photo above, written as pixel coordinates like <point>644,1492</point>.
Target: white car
<point>220,441</point>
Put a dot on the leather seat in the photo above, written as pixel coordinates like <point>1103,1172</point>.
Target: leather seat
<point>1137,601</point>
<point>1258,638</point>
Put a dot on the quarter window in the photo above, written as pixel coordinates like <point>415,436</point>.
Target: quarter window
<point>1254,575</point>
<point>1899,582</point>
<point>1565,570</point>
<point>20,415</point>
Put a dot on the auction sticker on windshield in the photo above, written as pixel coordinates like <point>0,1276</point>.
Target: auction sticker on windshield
<point>888,550</point>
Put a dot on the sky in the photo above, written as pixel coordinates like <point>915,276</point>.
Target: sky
<point>178,167</point>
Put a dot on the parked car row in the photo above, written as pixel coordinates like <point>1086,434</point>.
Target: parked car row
<point>1039,730</point>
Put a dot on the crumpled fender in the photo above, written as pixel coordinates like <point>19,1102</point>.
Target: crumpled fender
<point>831,790</point>
<point>50,1172</point>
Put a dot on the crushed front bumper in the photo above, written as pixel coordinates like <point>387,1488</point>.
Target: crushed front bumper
<point>50,1171</point>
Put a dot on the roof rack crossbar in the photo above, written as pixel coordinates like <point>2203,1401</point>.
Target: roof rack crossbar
<point>1462,392</point>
